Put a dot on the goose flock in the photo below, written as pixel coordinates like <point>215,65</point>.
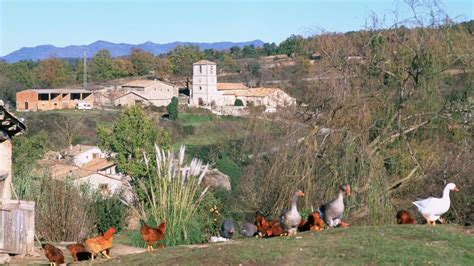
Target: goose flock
<point>330,215</point>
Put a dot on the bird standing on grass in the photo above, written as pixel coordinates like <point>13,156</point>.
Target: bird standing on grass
<point>151,235</point>
<point>227,229</point>
<point>332,211</point>
<point>292,218</point>
<point>248,229</point>
<point>432,208</point>
<point>54,254</point>
<point>404,217</point>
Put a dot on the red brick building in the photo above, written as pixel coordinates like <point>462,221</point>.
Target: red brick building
<point>51,99</point>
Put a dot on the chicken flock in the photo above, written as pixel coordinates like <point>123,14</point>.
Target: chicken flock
<point>328,215</point>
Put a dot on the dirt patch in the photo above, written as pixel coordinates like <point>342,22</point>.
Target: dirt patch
<point>39,258</point>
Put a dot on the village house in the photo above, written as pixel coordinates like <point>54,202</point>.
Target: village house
<point>52,99</point>
<point>146,92</point>
<point>100,175</point>
<point>82,154</point>
<point>206,91</point>
<point>86,165</point>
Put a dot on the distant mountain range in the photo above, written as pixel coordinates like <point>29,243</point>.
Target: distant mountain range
<point>115,49</point>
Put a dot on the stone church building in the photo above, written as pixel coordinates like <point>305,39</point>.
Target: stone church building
<point>206,91</point>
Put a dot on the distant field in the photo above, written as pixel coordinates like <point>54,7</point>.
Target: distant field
<point>391,244</point>
<point>206,129</point>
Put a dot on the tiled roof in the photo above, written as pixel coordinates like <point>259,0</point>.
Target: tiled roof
<point>59,91</point>
<point>231,86</point>
<point>256,92</point>
<point>78,149</point>
<point>61,170</point>
<point>204,62</point>
<point>9,124</point>
<point>149,96</point>
<point>97,164</point>
<point>140,83</point>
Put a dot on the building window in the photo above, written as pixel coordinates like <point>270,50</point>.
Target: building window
<point>26,105</point>
<point>200,69</point>
<point>43,97</point>
<point>200,88</point>
<point>212,69</point>
<point>75,96</point>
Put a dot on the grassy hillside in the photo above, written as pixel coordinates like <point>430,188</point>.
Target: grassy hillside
<point>419,244</point>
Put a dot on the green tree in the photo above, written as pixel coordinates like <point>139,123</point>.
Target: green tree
<point>8,87</point>
<point>173,108</point>
<point>249,51</point>
<point>182,59</point>
<point>21,72</point>
<point>26,151</point>
<point>101,66</point>
<point>132,137</point>
<point>269,48</point>
<point>80,70</point>
<point>235,52</point>
<point>142,62</point>
<point>293,45</point>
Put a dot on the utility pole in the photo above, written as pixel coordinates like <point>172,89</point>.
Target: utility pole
<point>85,72</point>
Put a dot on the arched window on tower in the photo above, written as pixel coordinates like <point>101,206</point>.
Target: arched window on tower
<point>200,69</point>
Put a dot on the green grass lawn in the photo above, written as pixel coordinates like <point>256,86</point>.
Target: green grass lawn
<point>391,244</point>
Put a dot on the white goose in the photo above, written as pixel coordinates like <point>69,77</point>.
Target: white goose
<point>432,208</point>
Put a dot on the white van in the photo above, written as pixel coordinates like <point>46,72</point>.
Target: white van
<point>83,106</point>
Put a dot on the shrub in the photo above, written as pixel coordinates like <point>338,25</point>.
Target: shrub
<point>64,212</point>
<point>238,102</point>
<point>211,215</point>
<point>173,108</point>
<point>110,212</point>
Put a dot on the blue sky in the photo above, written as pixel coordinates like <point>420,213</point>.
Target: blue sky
<point>27,23</point>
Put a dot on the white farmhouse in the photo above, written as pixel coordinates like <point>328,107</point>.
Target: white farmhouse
<point>82,154</point>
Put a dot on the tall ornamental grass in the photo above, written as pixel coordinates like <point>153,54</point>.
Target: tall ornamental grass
<point>173,193</point>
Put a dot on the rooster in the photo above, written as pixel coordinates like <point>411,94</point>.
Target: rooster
<point>315,221</point>
<point>78,252</point>
<point>275,229</point>
<point>150,235</point>
<point>404,217</point>
<point>261,224</point>
<point>54,254</point>
<point>100,244</point>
